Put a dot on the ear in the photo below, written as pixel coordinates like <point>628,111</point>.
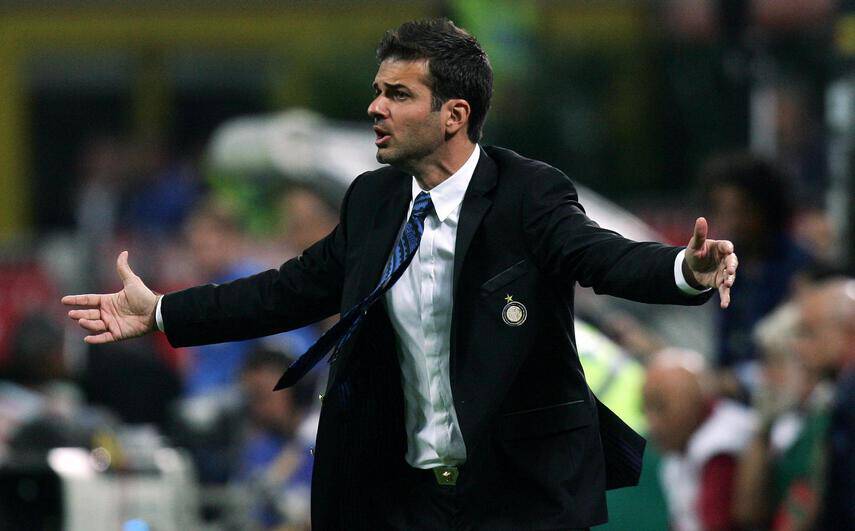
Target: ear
<point>457,116</point>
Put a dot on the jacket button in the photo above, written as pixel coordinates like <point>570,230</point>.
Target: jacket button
<point>312,451</point>
<point>321,397</point>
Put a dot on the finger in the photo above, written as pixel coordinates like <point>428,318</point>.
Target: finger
<point>724,247</point>
<point>731,262</point>
<point>700,234</point>
<point>724,295</point>
<point>123,268</point>
<point>106,337</point>
<point>81,300</point>
<point>729,280</point>
<point>93,325</point>
<point>85,314</point>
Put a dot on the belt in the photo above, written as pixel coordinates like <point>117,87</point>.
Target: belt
<point>446,475</point>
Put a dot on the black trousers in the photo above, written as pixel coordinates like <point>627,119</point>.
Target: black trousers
<point>416,502</point>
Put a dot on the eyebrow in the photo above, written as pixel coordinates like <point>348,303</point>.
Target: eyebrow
<point>399,86</point>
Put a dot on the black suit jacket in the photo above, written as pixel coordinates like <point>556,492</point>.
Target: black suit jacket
<point>535,453</point>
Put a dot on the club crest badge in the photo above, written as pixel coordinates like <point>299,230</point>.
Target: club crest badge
<point>514,313</point>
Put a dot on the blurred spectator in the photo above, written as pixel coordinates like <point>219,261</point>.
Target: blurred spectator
<point>616,379</point>
<point>779,472</point>
<point>102,167</point>
<point>255,440</point>
<point>827,347</point>
<point>275,456</point>
<point>132,380</point>
<point>218,249</point>
<point>305,217</point>
<point>161,191</point>
<point>39,407</point>
<point>750,200</point>
<point>37,353</point>
<point>701,437</point>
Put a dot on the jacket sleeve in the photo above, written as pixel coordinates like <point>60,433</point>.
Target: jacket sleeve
<point>569,245</point>
<point>303,290</point>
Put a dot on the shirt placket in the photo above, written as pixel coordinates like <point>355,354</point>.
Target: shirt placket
<point>442,362</point>
<point>428,289</point>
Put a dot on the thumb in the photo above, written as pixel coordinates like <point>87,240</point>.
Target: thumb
<point>124,269</point>
<point>700,234</point>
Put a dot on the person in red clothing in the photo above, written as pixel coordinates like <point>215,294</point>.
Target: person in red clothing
<point>700,437</point>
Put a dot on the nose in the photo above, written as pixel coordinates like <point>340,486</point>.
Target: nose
<point>376,109</point>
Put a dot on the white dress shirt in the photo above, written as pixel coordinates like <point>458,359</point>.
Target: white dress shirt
<point>419,305</point>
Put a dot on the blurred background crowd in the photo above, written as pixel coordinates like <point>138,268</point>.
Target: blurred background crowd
<point>216,139</point>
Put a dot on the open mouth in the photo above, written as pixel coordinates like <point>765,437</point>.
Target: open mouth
<point>382,136</point>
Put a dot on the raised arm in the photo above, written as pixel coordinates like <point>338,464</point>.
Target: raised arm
<point>568,244</point>
<point>116,316</point>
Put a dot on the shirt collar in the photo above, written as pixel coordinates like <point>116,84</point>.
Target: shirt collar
<point>447,195</point>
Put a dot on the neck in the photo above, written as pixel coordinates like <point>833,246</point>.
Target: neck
<point>445,162</point>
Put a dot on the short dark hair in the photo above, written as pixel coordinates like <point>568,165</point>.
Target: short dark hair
<point>264,357</point>
<point>764,183</point>
<point>457,64</point>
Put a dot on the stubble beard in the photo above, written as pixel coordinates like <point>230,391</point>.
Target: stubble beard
<point>403,159</point>
<point>408,152</point>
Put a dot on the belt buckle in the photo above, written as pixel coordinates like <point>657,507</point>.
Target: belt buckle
<point>446,475</point>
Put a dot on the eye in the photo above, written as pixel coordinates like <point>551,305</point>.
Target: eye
<point>399,96</point>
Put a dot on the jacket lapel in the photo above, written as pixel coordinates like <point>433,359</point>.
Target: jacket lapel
<point>385,226</point>
<point>475,206</point>
<point>386,222</point>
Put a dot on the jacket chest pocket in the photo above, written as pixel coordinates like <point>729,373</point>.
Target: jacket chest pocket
<point>506,276</point>
<point>511,297</point>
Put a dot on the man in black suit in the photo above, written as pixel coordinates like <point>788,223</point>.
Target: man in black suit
<point>458,400</point>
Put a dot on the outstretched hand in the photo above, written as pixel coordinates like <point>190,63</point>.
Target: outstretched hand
<point>116,316</point>
<point>712,263</point>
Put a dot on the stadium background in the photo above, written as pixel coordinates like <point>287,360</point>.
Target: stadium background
<point>108,140</point>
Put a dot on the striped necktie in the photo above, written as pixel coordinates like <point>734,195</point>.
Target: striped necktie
<point>336,337</point>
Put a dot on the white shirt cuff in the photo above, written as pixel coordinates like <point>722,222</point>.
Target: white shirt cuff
<point>158,317</point>
<point>679,278</point>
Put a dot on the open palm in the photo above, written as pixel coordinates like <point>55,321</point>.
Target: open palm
<point>116,316</point>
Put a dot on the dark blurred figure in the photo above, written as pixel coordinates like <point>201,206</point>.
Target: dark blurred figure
<point>701,437</point>
<point>37,353</point>
<point>40,409</point>
<point>275,459</point>
<point>780,472</point>
<point>34,417</point>
<point>827,347</point>
<point>256,440</point>
<point>751,199</point>
<point>132,380</point>
<point>39,406</point>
